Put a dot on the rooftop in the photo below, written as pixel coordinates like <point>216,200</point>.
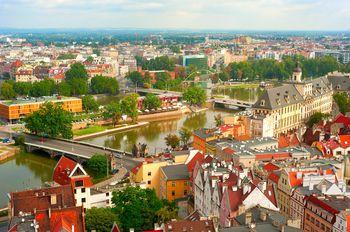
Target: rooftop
<point>29,100</point>
<point>176,172</point>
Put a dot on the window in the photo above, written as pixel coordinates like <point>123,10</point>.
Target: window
<point>186,183</point>
<point>79,183</point>
<point>173,183</point>
<point>173,193</point>
<point>149,182</point>
<point>185,192</point>
<point>149,173</point>
<point>107,194</point>
<point>75,191</point>
<point>83,200</point>
<point>83,190</point>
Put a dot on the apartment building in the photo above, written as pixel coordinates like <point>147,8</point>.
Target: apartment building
<point>291,104</point>
<point>16,109</point>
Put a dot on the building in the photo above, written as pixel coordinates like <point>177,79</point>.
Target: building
<point>147,173</point>
<point>291,104</point>
<point>68,171</point>
<point>47,209</point>
<point>321,213</point>
<point>187,225</point>
<point>11,110</point>
<point>174,182</point>
<point>342,56</point>
<point>202,136</point>
<point>198,61</point>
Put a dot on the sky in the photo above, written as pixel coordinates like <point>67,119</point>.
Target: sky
<point>177,14</point>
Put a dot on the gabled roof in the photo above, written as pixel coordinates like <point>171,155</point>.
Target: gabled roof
<point>175,172</point>
<point>279,97</point>
<point>63,169</point>
<point>269,167</point>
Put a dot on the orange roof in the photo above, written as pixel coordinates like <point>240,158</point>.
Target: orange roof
<point>344,140</point>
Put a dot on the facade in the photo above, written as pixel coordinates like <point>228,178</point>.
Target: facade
<point>72,173</point>
<point>202,136</point>
<point>148,173</point>
<point>16,109</point>
<point>174,182</point>
<point>291,104</point>
<point>321,213</point>
<point>198,61</point>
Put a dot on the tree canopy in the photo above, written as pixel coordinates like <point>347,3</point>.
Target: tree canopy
<point>343,102</point>
<point>195,95</point>
<point>316,118</point>
<point>97,166</point>
<point>172,140</point>
<point>129,106</point>
<point>77,78</point>
<point>151,101</point>
<point>112,111</point>
<point>136,208</point>
<point>89,103</point>
<point>50,120</point>
<point>102,84</point>
<point>100,219</point>
<point>7,91</point>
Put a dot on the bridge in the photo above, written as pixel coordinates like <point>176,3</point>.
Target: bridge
<point>232,103</point>
<point>154,91</point>
<point>75,149</point>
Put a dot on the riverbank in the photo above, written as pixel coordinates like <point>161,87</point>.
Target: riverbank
<point>7,151</point>
<point>110,131</point>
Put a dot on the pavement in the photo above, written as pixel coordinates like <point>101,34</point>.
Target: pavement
<point>81,150</point>
<point>115,178</point>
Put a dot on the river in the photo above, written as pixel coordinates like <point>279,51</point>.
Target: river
<point>27,170</point>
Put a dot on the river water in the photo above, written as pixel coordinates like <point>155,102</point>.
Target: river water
<point>27,170</point>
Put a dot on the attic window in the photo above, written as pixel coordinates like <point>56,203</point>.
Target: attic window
<point>262,103</point>
<point>278,101</point>
<point>278,94</point>
<point>338,86</point>
<point>286,98</point>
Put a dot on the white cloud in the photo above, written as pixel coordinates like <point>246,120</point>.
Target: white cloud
<point>221,14</point>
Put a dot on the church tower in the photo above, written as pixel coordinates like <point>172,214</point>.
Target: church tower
<point>297,73</point>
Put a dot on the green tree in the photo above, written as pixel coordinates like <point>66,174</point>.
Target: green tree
<point>185,135</point>
<point>89,103</point>
<point>218,120</point>
<point>172,140</point>
<point>22,88</point>
<point>166,214</point>
<point>97,165</point>
<point>45,87</point>
<point>316,118</point>
<point>50,120</point>
<point>129,106</point>
<point>112,111</point>
<point>195,95</point>
<point>100,219</point>
<point>102,84</point>
<point>7,91</point>
<point>136,208</point>
<point>96,51</point>
<point>77,78</point>
<point>136,78</point>
<point>64,89</point>
<point>151,101</point>
<point>343,102</point>
<point>90,59</point>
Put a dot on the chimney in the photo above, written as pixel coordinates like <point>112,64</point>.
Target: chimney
<point>263,215</point>
<point>248,218</point>
<point>311,187</point>
<point>73,228</point>
<point>53,199</point>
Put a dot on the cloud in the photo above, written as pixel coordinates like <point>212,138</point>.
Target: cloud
<point>209,14</point>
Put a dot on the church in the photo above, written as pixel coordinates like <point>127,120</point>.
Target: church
<point>288,107</point>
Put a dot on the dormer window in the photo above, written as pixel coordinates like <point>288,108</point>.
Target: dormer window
<point>338,87</point>
<point>286,98</point>
<point>262,103</point>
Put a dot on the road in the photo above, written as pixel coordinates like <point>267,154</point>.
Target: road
<point>82,150</point>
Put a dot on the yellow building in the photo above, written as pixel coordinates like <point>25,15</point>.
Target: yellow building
<point>290,105</point>
<point>174,182</point>
<point>16,109</point>
<point>148,173</point>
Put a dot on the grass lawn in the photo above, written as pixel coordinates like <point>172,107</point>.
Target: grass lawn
<point>244,86</point>
<point>89,130</point>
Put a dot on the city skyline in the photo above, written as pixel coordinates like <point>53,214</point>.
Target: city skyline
<point>224,15</point>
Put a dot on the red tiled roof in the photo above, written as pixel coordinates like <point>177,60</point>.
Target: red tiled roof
<point>273,177</point>
<point>344,140</point>
<point>136,169</point>
<point>198,157</point>
<point>228,151</point>
<point>63,169</point>
<point>67,219</point>
<point>342,119</point>
<point>269,167</point>
<point>322,204</point>
<point>40,199</point>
